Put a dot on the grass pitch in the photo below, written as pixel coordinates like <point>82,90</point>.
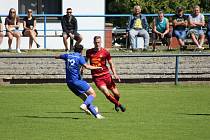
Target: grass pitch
<point>154,112</point>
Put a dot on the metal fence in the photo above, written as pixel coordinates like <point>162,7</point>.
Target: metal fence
<point>45,16</point>
<point>176,56</point>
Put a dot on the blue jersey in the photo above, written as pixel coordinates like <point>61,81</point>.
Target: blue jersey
<point>73,63</point>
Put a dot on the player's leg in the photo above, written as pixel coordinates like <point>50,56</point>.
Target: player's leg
<point>108,95</point>
<point>82,89</point>
<point>112,86</point>
<point>101,83</point>
<point>117,96</point>
<point>84,97</point>
<point>87,106</point>
<point>79,91</point>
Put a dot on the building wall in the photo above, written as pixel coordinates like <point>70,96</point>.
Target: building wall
<point>86,25</point>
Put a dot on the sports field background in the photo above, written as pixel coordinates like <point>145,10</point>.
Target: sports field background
<point>154,112</point>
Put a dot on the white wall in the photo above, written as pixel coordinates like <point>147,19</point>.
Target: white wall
<point>6,5</point>
<point>88,7</point>
<point>80,7</point>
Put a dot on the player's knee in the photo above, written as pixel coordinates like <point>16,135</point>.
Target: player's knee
<point>94,94</point>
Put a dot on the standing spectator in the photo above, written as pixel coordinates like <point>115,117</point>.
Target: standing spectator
<point>29,28</point>
<point>179,26</point>
<point>69,26</point>
<point>208,31</point>
<point>99,56</point>
<point>161,30</point>
<point>12,25</point>
<point>79,87</point>
<point>196,21</point>
<point>1,31</point>
<point>138,26</point>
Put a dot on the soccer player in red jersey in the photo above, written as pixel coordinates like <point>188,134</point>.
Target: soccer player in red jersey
<point>99,56</point>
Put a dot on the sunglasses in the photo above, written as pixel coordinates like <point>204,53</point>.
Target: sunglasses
<point>29,11</point>
<point>69,12</point>
<point>12,12</point>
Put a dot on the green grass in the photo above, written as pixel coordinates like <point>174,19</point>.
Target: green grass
<point>154,112</point>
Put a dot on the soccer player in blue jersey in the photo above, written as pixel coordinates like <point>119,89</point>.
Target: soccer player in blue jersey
<point>79,87</point>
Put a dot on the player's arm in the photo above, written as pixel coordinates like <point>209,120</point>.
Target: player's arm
<point>57,57</point>
<point>112,67</point>
<point>87,66</point>
<point>63,56</point>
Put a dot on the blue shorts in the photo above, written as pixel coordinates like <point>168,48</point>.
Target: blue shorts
<point>78,87</point>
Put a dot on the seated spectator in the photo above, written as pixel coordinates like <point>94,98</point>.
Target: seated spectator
<point>138,26</point>
<point>29,28</point>
<point>179,26</point>
<point>1,31</point>
<point>196,21</point>
<point>12,25</point>
<point>208,31</point>
<point>69,26</point>
<point>161,30</point>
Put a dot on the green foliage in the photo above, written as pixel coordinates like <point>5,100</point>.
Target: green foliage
<point>168,6</point>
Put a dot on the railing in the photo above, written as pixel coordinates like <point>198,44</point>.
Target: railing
<point>176,56</point>
<point>106,15</point>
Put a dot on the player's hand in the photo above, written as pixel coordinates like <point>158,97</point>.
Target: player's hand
<point>117,77</point>
<point>100,68</point>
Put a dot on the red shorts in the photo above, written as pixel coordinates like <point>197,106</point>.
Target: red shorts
<point>105,80</point>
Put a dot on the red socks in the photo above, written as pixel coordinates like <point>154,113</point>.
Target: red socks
<point>112,99</point>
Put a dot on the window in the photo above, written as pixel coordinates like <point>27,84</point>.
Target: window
<point>40,6</point>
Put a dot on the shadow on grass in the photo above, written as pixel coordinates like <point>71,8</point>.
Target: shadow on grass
<point>60,117</point>
<point>71,112</point>
<point>195,114</point>
<point>47,117</point>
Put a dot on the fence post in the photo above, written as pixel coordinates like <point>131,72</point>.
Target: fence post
<point>177,70</point>
<point>45,32</point>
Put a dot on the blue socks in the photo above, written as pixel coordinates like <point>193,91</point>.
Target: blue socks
<point>89,100</point>
<point>91,108</point>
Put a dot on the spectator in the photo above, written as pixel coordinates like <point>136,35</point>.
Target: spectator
<point>196,21</point>
<point>69,26</point>
<point>1,31</point>
<point>179,26</point>
<point>138,26</point>
<point>208,31</point>
<point>12,25</point>
<point>29,28</point>
<point>161,30</point>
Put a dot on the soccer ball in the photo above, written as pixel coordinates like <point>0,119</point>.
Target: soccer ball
<point>96,109</point>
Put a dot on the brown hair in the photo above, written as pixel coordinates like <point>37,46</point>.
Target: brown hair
<point>68,9</point>
<point>14,19</point>
<point>96,37</point>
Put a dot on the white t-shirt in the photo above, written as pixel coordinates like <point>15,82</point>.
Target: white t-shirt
<point>198,18</point>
